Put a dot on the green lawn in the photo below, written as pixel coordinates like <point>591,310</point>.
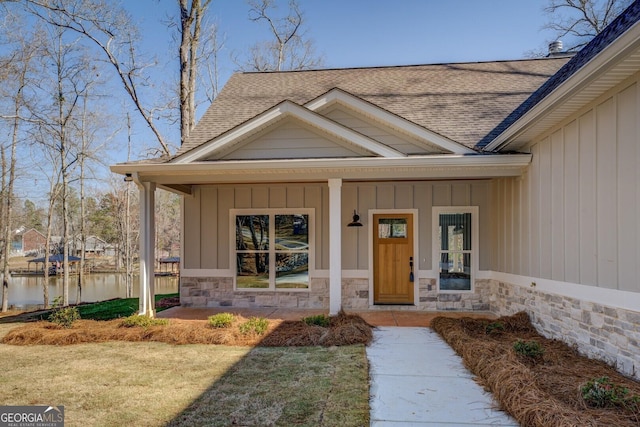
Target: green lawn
<point>111,309</point>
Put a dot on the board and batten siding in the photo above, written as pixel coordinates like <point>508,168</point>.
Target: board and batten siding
<point>206,216</point>
<point>574,215</point>
<point>401,142</point>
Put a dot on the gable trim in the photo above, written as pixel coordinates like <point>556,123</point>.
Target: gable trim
<point>277,113</point>
<point>604,70</point>
<point>340,96</point>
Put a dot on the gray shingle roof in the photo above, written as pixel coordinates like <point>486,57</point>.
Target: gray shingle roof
<point>462,101</point>
<point>614,30</point>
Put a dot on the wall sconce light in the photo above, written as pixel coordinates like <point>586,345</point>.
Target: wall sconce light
<point>128,177</point>
<point>356,220</point>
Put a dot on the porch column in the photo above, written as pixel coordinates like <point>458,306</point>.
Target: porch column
<point>147,248</point>
<point>335,245</point>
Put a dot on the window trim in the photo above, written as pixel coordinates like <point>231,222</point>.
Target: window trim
<point>271,212</point>
<point>436,251</point>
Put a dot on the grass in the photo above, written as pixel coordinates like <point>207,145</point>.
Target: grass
<point>111,309</point>
<point>308,386</point>
<point>152,384</point>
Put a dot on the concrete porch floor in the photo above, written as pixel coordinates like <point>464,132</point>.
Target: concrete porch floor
<point>377,317</point>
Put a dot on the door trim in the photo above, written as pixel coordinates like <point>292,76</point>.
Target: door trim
<point>416,253</point>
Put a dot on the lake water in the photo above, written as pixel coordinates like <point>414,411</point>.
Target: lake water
<point>26,292</point>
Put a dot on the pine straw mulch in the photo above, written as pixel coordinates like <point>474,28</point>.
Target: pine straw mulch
<point>541,393</point>
<point>344,329</point>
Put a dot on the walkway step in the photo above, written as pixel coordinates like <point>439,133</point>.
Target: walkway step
<point>418,380</point>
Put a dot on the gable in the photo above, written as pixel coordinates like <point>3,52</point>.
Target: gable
<point>292,139</point>
<point>382,132</point>
<point>238,137</point>
<point>383,125</point>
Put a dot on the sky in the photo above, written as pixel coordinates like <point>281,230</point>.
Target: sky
<point>364,33</point>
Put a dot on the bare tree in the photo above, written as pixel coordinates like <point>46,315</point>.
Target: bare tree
<point>110,29</point>
<point>289,49</point>
<point>581,20</point>
<point>54,194</point>
<point>208,58</point>
<point>57,120</point>
<point>16,80</point>
<point>191,14</point>
<point>89,152</point>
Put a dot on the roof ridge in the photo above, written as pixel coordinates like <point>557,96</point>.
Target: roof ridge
<point>374,67</point>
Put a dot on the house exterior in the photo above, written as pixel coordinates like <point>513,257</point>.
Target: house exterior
<point>33,241</point>
<point>494,186</point>
<point>94,246</point>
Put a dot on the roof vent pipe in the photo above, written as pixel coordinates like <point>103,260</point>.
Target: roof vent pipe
<point>555,47</point>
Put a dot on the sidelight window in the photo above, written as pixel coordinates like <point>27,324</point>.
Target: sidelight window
<point>455,236</point>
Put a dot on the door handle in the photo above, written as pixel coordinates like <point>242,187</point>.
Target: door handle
<point>411,278</point>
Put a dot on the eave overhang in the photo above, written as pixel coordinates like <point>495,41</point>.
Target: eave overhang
<point>179,177</point>
<point>613,65</point>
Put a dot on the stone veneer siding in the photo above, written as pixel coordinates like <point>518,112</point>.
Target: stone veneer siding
<point>218,292</point>
<point>606,333</point>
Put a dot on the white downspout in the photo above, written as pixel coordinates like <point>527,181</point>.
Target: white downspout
<point>335,245</point>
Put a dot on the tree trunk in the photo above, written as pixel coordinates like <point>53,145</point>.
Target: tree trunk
<point>8,208</point>
<point>47,248</point>
<point>3,196</point>
<point>190,29</point>
<point>83,236</point>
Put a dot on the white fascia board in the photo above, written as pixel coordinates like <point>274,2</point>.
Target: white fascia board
<point>222,141</point>
<point>589,72</point>
<point>413,167</point>
<point>284,109</point>
<point>358,104</point>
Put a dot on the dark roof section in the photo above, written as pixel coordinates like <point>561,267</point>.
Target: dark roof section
<point>56,258</point>
<point>460,101</point>
<point>614,30</point>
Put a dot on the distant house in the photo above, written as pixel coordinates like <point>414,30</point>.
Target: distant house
<point>94,246</point>
<point>33,241</point>
<point>500,186</point>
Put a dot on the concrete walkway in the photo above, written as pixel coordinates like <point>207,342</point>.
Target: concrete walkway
<point>418,380</point>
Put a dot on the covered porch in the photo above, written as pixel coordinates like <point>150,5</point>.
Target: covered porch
<point>189,180</point>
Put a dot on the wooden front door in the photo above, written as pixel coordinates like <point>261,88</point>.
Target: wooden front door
<point>392,258</point>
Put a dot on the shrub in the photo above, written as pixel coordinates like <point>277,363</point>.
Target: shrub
<point>63,316</point>
<point>602,393</point>
<point>530,349</point>
<point>256,325</point>
<point>221,320</point>
<point>494,327</point>
<point>142,321</point>
<point>317,320</point>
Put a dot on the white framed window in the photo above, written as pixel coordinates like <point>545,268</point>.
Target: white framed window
<point>272,248</point>
<point>455,247</point>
